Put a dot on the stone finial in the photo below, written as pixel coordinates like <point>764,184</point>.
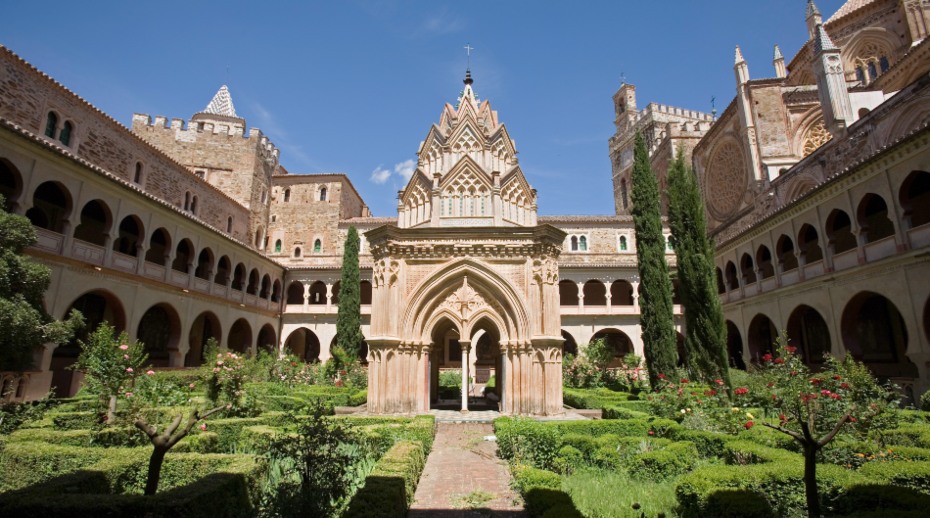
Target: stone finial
<point>739,56</point>
<point>778,53</point>
<point>221,104</point>
<point>811,9</point>
<point>813,18</point>
<point>822,41</point>
<point>779,62</point>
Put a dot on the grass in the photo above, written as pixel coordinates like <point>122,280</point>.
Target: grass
<point>611,494</point>
<point>474,500</point>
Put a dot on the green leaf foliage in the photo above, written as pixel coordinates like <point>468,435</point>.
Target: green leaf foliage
<point>23,282</point>
<point>705,340</point>
<point>656,319</point>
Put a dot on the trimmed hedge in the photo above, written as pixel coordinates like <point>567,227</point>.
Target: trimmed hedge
<point>542,493</point>
<point>662,464</point>
<point>741,452</point>
<point>593,398</point>
<point>619,412</point>
<point>780,484</point>
<point>388,491</point>
<point>910,474</point>
<point>916,435</point>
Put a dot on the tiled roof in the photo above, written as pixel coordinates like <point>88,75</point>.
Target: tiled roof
<point>221,104</point>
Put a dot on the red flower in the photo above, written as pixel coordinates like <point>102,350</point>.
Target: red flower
<point>844,385</point>
<point>740,391</point>
<point>710,392</point>
<point>774,397</point>
<point>684,380</point>
<point>661,376</point>
<point>836,396</point>
<point>651,432</point>
<point>816,381</point>
<point>770,384</point>
<point>767,357</point>
<point>779,361</point>
<point>825,392</point>
<point>782,417</point>
<point>837,377</point>
<point>791,349</point>
<point>718,382</point>
<point>794,373</point>
<point>852,419</point>
<point>748,425</point>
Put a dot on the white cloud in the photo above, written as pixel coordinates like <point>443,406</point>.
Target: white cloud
<point>380,175</point>
<point>405,169</point>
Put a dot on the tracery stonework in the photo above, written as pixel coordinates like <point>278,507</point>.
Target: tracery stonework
<point>726,180</point>
<point>816,136</point>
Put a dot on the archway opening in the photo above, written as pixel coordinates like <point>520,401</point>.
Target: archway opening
<point>304,344</point>
<point>735,347</point>
<point>808,331</point>
<point>618,342</point>
<point>238,281</point>
<point>764,260</point>
<point>570,345</point>
<point>97,306</point>
<point>731,278</point>
<point>222,271</point>
<point>785,250</point>
<point>874,332</point>
<point>267,340</point>
<point>183,257</point>
<point>295,293</point>
<point>809,245</point>
<point>762,336</point>
<point>747,269</point>
<point>839,232</point>
<point>568,293</point>
<point>160,331</point>
<point>595,293</point>
<point>159,245</point>
<point>915,198</point>
<point>873,218</point>
<point>94,227</point>
<point>364,289</point>
<point>252,288</point>
<point>621,293</point>
<point>51,206</point>
<point>204,268</point>
<point>11,184</point>
<point>129,237</point>
<point>205,327</point>
<point>240,336</point>
<point>317,293</point>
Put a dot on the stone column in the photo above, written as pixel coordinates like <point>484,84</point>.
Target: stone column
<point>466,347</point>
<point>140,259</point>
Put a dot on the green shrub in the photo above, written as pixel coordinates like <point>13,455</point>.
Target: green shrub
<point>618,412</point>
<point>25,463</point>
<point>126,436</point>
<point>664,463</point>
<point>523,440</point>
<point>542,493</point>
<point>73,420</point>
<point>742,452</point>
<point>781,484</point>
<point>50,436</point>
<point>388,491</point>
<point>881,498</point>
<point>708,444</point>
<point>738,503</point>
<point>568,460</point>
<point>202,442</point>
<point>910,474</point>
<point>908,435</point>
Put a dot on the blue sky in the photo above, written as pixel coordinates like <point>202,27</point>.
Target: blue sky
<point>354,86</point>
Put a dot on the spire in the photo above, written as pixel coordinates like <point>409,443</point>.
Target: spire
<point>741,68</point>
<point>779,63</point>
<point>739,56</point>
<point>813,18</point>
<point>221,104</point>
<point>823,41</point>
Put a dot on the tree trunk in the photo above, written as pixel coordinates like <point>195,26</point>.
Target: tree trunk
<point>155,461</point>
<point>810,481</point>
<point>111,410</point>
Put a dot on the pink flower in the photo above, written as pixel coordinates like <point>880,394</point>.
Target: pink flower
<point>150,373</point>
<point>129,394</point>
<point>216,369</point>
<point>191,386</point>
<point>740,391</point>
<point>125,356</point>
<point>718,382</point>
<point>203,427</point>
<point>651,432</point>
<point>836,396</point>
<point>124,347</point>
<point>825,392</point>
<point>128,369</point>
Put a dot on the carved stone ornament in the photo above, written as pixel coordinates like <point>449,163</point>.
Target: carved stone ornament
<point>464,301</point>
<point>726,180</point>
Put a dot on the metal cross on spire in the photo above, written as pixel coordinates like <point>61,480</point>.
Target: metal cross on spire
<point>468,49</point>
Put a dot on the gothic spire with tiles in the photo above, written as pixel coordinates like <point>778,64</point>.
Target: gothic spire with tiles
<point>467,172</point>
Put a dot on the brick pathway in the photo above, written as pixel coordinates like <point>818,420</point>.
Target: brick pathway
<point>464,478</point>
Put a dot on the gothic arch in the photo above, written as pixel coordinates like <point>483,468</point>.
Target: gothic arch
<point>427,299</point>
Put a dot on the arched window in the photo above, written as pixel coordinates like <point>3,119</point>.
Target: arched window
<point>287,195</point>
<point>229,224</point>
<point>574,244</point>
<point>860,74</point>
<point>51,125</point>
<point>785,252</point>
<point>317,246</point>
<point>296,250</point>
<point>137,177</point>
<point>873,72</point>
<point>883,64</point>
<point>187,200</point>
<point>65,135</point>
<point>193,205</point>
<point>623,245</point>
<point>277,246</point>
<point>323,194</point>
<point>583,244</point>
<point>873,218</point>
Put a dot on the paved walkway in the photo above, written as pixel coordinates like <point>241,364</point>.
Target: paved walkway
<point>464,478</point>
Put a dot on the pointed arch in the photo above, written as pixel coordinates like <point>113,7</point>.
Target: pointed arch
<point>427,298</point>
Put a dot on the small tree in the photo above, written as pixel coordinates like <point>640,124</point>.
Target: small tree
<point>110,365</point>
<point>705,340</point>
<point>814,408</point>
<point>349,319</point>
<point>656,319</point>
<point>163,441</point>
<point>24,323</point>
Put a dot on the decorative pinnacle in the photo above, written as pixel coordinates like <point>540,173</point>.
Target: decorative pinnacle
<point>221,104</point>
<point>811,9</point>
<point>468,80</point>
<point>823,41</point>
<point>778,54</point>
<point>468,48</point>
<point>739,56</point>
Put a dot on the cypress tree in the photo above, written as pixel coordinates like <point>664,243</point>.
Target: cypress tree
<point>656,320</point>
<point>705,340</point>
<point>348,319</point>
